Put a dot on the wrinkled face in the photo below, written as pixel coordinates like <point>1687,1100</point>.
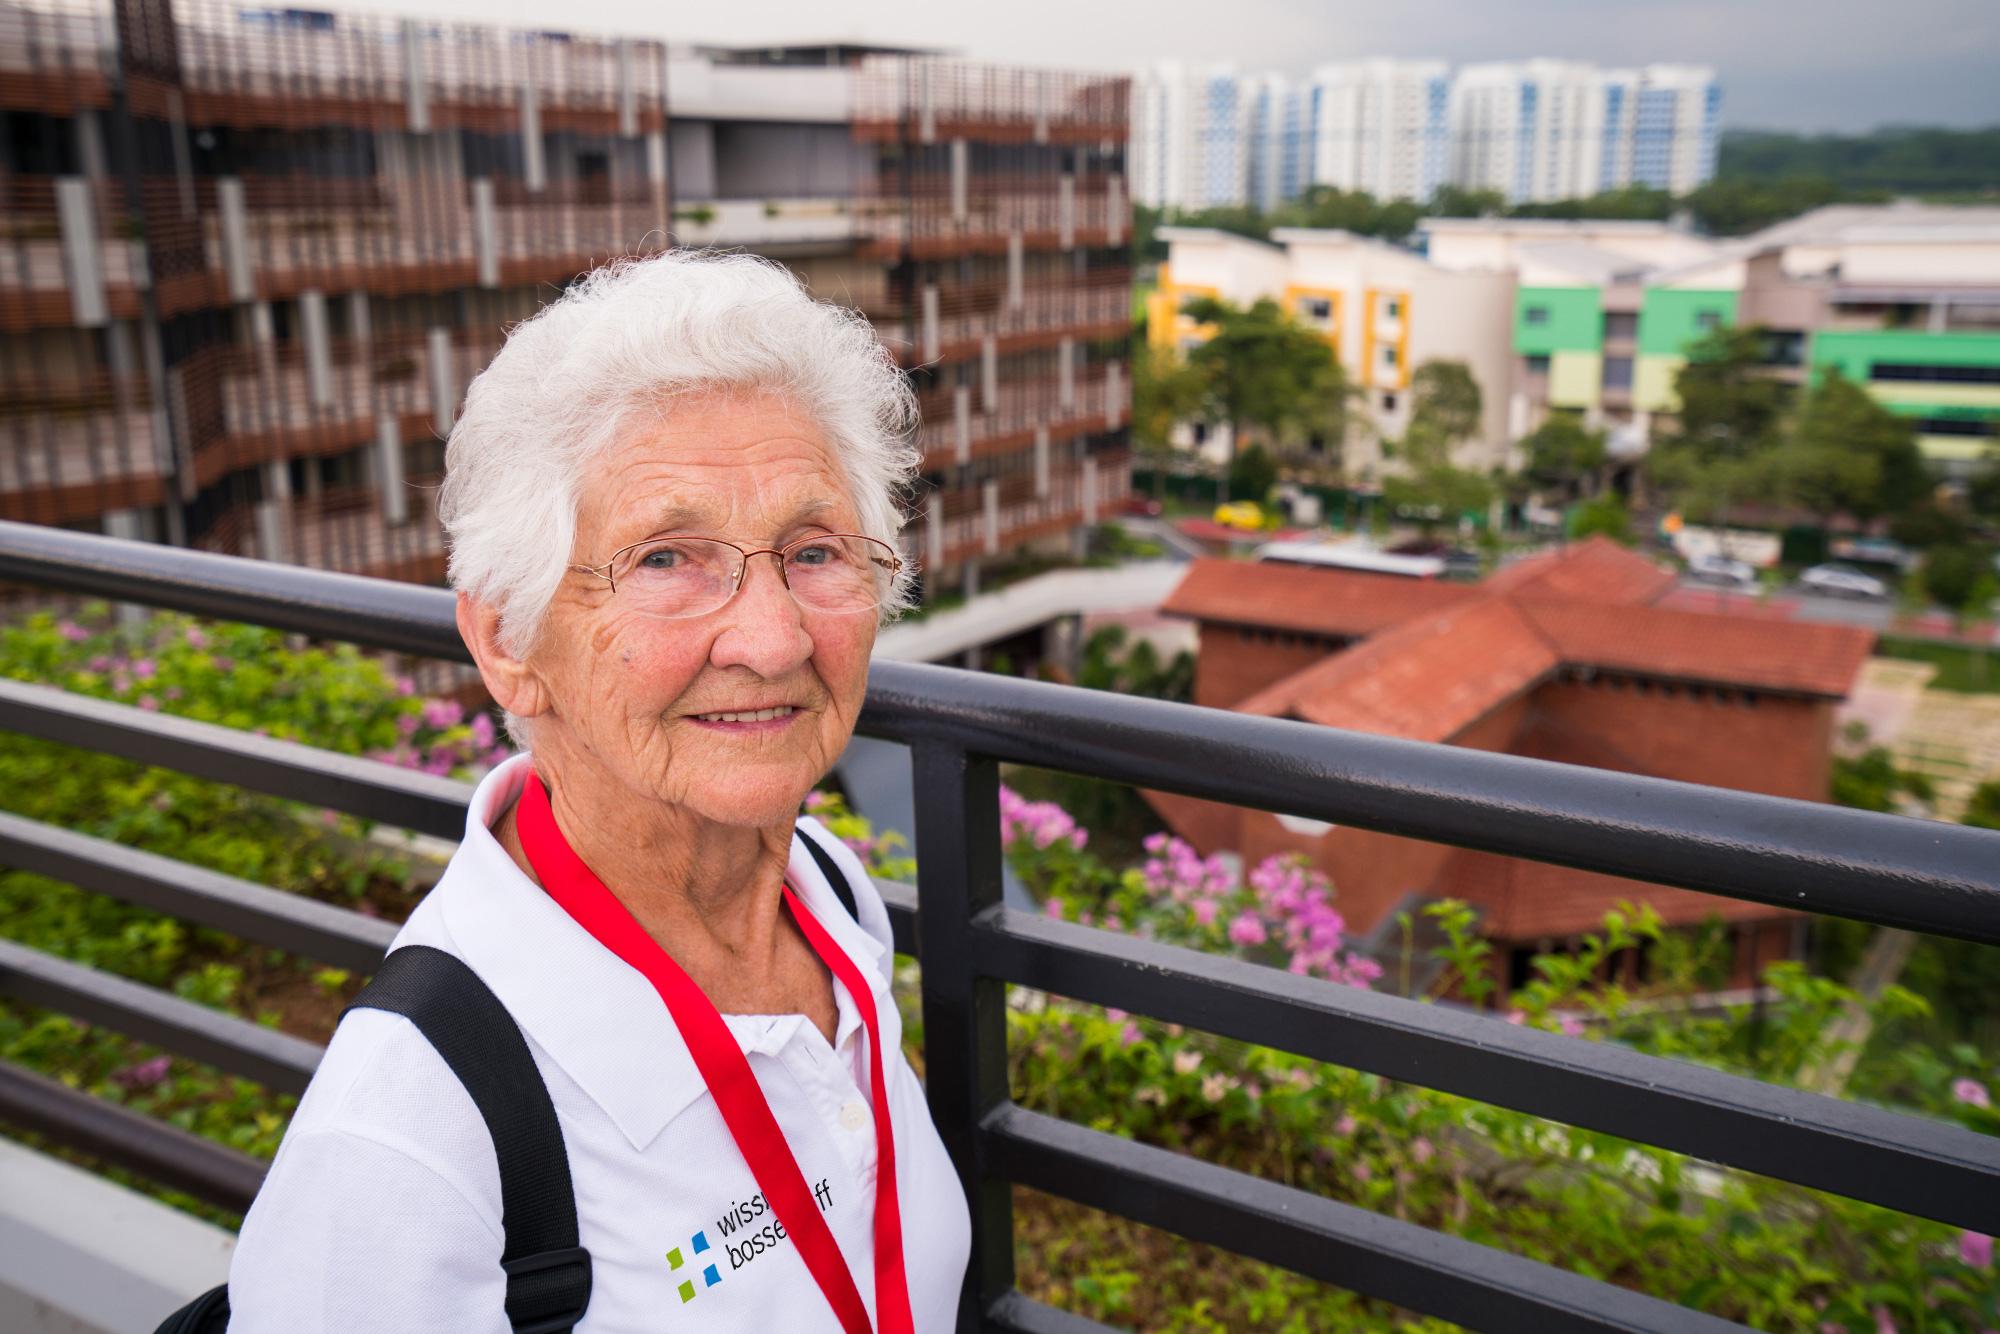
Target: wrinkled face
<point>640,699</point>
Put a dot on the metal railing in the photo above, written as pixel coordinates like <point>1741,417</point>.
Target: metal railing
<point>960,726</point>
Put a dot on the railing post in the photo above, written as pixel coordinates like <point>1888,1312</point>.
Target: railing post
<point>965,1017</point>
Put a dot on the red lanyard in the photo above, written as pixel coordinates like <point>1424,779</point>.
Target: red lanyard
<point>727,1071</point>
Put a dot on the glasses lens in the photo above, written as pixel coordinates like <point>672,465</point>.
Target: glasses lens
<point>679,576</point>
<point>839,574</point>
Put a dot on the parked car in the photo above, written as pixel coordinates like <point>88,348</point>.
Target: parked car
<point>1722,570</point>
<point>1843,581</point>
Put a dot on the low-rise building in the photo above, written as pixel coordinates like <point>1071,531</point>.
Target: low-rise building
<point>1383,309</point>
<point>1560,657</point>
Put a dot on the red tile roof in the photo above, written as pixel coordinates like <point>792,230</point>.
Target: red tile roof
<point>1428,678</point>
<point>1790,657</point>
<point>1594,570</point>
<point>1282,596</point>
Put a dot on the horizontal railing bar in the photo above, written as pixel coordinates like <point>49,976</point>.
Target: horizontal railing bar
<point>1412,1266</point>
<point>276,1060</point>
<point>380,613</point>
<point>1921,1167</point>
<point>901,901</point>
<point>271,917</point>
<point>1917,875</point>
<point>1017,1313</point>
<point>362,787</point>
<point>213,1173</point>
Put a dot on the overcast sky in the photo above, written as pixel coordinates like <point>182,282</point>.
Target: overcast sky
<point>1786,64</point>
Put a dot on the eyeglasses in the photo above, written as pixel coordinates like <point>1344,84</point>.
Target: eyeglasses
<point>678,577</point>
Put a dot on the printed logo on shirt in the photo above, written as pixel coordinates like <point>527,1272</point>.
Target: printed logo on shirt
<point>697,1245</point>
<point>744,1237</point>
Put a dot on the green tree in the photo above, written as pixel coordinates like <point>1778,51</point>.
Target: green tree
<point>1252,473</point>
<point>1166,390</point>
<point>1562,451</point>
<point>1455,201</point>
<point>1268,375</point>
<point>1606,514</point>
<point>1445,405</point>
<point>1731,418</point>
<point>1846,453</point>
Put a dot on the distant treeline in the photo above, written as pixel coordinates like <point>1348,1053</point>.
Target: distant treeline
<point>1761,178</point>
<point>1898,159</point>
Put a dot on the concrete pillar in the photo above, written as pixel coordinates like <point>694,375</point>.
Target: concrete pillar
<point>444,383</point>
<point>416,80</point>
<point>960,170</point>
<point>534,162</point>
<point>234,217</point>
<point>389,468</point>
<point>961,423</point>
<point>929,302</point>
<point>934,541</point>
<point>1016,272</point>
<point>318,348</point>
<point>1042,460</point>
<point>989,515</point>
<point>1066,374</point>
<point>989,374</point>
<point>1066,211</point>
<point>485,233</point>
<point>82,252</point>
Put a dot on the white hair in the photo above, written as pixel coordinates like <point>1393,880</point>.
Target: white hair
<point>623,346</point>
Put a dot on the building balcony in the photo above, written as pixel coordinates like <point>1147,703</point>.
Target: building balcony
<point>72,450</point>
<point>960,425</point>
<point>1000,515</point>
<point>1045,313</point>
<point>347,529</point>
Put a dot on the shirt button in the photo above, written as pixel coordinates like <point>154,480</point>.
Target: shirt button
<point>854,1116</point>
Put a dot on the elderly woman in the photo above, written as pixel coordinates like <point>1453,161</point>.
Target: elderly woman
<point>672,503</point>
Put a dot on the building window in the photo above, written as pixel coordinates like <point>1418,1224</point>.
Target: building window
<point>1707,320</point>
<point>1621,324</point>
<point>1388,356</point>
<point>1618,372</point>
<point>1388,402</point>
<point>1538,364</point>
<point>1535,315</point>
<point>1395,309</point>
<point>1316,309</point>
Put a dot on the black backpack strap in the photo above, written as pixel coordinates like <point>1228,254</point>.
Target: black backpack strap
<point>548,1274</point>
<point>831,870</point>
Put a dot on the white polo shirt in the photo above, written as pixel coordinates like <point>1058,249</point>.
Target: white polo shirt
<point>382,1210</point>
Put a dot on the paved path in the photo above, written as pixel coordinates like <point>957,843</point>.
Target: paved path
<point>943,636</point>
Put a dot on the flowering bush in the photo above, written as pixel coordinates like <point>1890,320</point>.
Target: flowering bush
<point>878,852</point>
<point>1282,913</point>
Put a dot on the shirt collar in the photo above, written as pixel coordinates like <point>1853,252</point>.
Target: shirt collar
<point>595,1015</point>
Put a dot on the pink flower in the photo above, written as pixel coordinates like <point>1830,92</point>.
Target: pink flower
<point>148,703</point>
<point>1883,1323</point>
<point>1362,1172</point>
<point>120,682</point>
<point>1115,1016</point>
<point>1345,1125</point>
<point>225,665</point>
<point>71,631</point>
<point>174,692</point>
<point>1571,1026</point>
<point>143,1075</point>
<point>144,669</point>
<point>1130,1035</point>
<point>1204,911</point>
<point>196,639</point>
<point>405,686</point>
<point>1054,908</point>
<point>100,663</point>
<point>1421,1149</point>
<point>408,723</point>
<point>1971,1092</point>
<point>482,739</point>
<point>814,799</point>
<point>1247,930</point>
<point>1517,1016</point>
<point>1976,1249</point>
<point>443,712</point>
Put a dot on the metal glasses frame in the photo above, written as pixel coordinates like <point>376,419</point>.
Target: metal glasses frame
<point>894,563</point>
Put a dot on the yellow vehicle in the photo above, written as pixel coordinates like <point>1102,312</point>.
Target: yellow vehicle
<point>1245,514</point>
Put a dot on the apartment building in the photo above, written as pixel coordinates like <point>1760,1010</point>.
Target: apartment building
<point>1190,136</point>
<point>1543,130</point>
<point>1533,130</point>
<point>254,257</point>
<point>1383,310</point>
<point>1383,126</point>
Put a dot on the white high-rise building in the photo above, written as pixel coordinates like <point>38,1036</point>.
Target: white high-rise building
<point>1190,137</point>
<point>1541,130</point>
<point>1660,126</point>
<point>1536,131</point>
<point>1383,126</point>
<point>1530,129</point>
